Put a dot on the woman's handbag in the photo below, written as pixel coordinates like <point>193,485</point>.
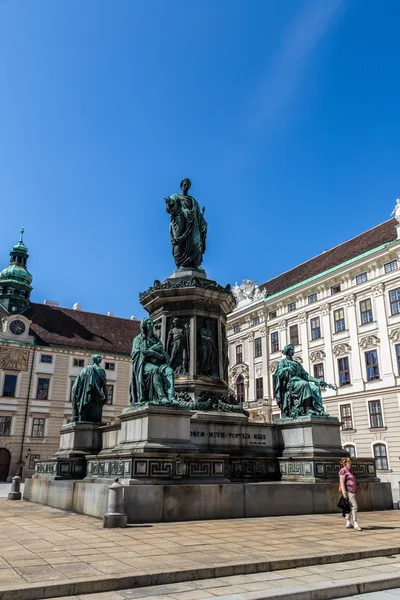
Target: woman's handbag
<point>344,505</point>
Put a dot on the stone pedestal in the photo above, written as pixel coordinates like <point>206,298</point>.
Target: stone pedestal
<point>77,441</point>
<point>311,450</point>
<point>155,429</point>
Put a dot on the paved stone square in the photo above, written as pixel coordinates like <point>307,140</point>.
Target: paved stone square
<point>44,549</point>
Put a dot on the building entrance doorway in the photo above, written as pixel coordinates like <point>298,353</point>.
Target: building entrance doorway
<point>5,458</point>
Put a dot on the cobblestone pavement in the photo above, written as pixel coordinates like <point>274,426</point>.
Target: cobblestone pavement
<point>274,584</point>
<point>48,547</point>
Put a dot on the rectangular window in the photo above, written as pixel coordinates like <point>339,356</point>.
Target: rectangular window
<point>312,298</point>
<point>351,450</point>
<point>70,390</point>
<point>344,371</point>
<point>236,329</point>
<point>272,314</point>
<point>346,416</point>
<point>239,354</point>
<point>257,348</point>
<point>394,297</point>
<point>366,311</point>
<point>338,317</point>
<point>398,358</point>
<point>110,393</point>
<point>319,371</point>
<point>38,428</point>
<point>294,335</point>
<point>371,362</point>
<point>291,306</point>
<point>46,358</point>
<point>10,384</point>
<point>335,289</point>
<point>315,328</point>
<point>259,388</point>
<point>79,362</point>
<point>256,321</point>
<point>375,414</point>
<point>32,458</point>
<point>361,278</point>
<point>42,392</point>
<point>391,266</point>
<point>5,426</point>
<point>109,366</point>
<point>380,455</point>
<point>275,341</point>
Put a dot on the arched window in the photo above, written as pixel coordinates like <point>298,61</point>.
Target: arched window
<point>351,449</point>
<point>240,389</point>
<point>380,455</point>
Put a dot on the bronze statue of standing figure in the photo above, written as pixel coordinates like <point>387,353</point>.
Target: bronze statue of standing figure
<point>188,228</point>
<point>89,393</point>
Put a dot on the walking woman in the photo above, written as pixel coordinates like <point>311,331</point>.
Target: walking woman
<point>348,488</point>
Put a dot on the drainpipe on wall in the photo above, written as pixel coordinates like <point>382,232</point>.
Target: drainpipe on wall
<point>20,462</point>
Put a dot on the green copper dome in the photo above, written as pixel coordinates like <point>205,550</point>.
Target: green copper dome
<point>15,280</point>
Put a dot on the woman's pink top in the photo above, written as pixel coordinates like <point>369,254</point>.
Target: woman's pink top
<point>350,480</point>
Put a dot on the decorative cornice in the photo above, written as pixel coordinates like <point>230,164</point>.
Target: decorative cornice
<point>317,355</point>
<point>196,282</point>
<point>369,341</point>
<point>341,349</point>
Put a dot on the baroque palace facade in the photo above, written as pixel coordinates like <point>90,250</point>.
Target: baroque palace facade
<point>43,348</point>
<point>341,311</point>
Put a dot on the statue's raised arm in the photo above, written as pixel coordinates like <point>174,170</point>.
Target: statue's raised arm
<point>188,228</point>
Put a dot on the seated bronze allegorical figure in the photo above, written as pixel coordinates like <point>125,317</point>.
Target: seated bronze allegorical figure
<point>297,393</point>
<point>152,380</point>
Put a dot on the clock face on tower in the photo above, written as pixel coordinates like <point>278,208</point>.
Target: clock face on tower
<point>17,327</point>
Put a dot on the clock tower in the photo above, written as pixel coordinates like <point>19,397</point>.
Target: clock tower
<point>15,280</point>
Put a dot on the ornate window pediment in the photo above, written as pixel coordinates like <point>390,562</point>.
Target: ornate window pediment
<point>273,366</point>
<point>317,356</point>
<point>369,341</point>
<point>341,349</point>
<point>240,369</point>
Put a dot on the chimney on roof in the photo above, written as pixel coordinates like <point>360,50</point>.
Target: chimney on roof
<point>133,318</point>
<point>51,303</point>
<point>77,306</point>
<point>110,314</point>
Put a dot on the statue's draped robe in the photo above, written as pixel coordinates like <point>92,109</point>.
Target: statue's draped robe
<point>89,393</point>
<point>294,392</point>
<point>188,230</point>
<point>149,378</point>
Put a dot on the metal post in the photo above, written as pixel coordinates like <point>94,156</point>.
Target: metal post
<point>15,494</point>
<point>115,515</point>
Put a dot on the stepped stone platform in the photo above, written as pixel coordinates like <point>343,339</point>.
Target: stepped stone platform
<point>48,553</point>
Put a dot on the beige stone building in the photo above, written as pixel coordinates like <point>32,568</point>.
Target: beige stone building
<point>43,348</point>
<point>341,310</point>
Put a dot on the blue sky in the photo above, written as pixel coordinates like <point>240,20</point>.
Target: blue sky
<point>284,113</point>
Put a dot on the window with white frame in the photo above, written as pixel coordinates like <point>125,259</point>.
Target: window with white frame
<point>375,414</point>
<point>338,318</point>
<point>315,328</point>
<point>272,314</point>
<point>344,371</point>
<point>78,362</point>
<point>257,347</point>
<point>361,278</point>
<point>236,329</point>
<point>32,458</point>
<point>391,266</point>
<point>351,449</point>
<point>394,298</point>
<point>5,426</point>
<point>346,417</point>
<point>240,389</point>
<point>46,358</point>
<point>335,289</point>
<point>397,348</point>
<point>371,363</point>
<point>319,371</point>
<point>259,388</point>
<point>43,386</point>
<point>38,426</point>
<point>256,320</point>
<point>366,311</point>
<point>239,354</point>
<point>109,393</point>
<point>291,306</point>
<point>312,298</point>
<point>380,455</point>
<point>294,335</point>
<point>275,341</point>
<point>109,366</point>
<point>73,379</point>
